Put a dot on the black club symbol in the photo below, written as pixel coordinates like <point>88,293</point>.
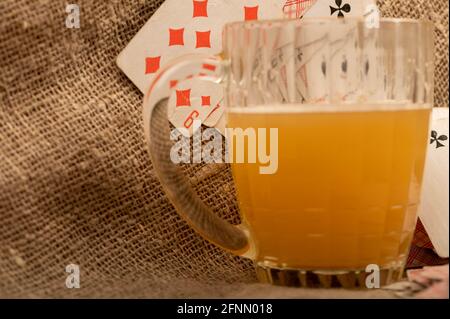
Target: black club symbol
<point>340,8</point>
<point>437,139</point>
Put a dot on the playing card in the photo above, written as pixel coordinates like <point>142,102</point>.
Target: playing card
<point>195,26</point>
<point>433,211</point>
<point>340,8</point>
<point>195,99</point>
<point>181,27</point>
<point>297,8</point>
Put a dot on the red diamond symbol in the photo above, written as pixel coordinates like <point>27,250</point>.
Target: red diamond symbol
<point>206,100</point>
<point>251,13</point>
<point>173,83</point>
<point>152,64</point>
<point>176,36</point>
<point>200,8</point>
<point>203,39</point>
<point>183,97</point>
<point>209,67</point>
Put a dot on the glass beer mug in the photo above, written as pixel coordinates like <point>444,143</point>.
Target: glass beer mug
<point>351,101</point>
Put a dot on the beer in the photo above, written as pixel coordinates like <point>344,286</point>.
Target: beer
<point>347,187</point>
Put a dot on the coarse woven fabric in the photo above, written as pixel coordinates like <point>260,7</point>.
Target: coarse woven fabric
<point>76,182</point>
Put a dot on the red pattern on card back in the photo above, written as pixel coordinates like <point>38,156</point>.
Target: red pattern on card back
<point>422,251</point>
<point>297,8</point>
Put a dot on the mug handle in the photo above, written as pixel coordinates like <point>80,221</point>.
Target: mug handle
<point>176,186</point>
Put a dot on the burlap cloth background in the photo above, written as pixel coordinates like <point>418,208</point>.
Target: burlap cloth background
<point>76,183</point>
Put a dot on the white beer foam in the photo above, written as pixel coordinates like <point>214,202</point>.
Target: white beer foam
<point>329,108</point>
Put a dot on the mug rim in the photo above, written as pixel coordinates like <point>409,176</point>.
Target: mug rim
<point>318,20</point>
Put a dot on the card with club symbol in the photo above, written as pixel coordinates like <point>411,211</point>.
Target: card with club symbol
<point>433,210</point>
<point>195,26</point>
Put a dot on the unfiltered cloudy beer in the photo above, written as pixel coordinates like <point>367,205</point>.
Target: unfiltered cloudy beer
<point>347,187</point>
